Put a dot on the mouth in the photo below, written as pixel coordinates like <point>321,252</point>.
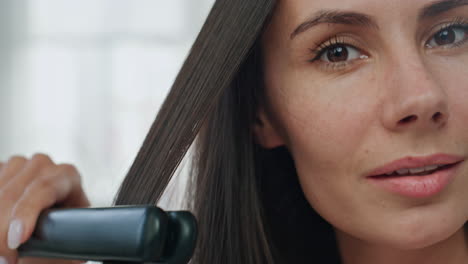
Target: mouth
<point>414,165</point>
<point>417,185</point>
<point>395,174</point>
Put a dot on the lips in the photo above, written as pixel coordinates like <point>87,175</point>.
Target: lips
<point>415,162</point>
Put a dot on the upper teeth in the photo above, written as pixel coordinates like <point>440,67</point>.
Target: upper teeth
<point>415,170</point>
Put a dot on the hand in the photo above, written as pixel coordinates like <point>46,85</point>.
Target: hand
<point>26,188</point>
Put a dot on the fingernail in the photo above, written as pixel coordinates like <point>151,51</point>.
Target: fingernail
<point>3,260</point>
<point>14,234</point>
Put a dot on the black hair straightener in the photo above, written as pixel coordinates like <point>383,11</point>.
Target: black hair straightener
<point>120,234</point>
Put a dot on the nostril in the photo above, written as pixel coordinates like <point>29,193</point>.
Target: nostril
<point>437,116</point>
<point>408,119</point>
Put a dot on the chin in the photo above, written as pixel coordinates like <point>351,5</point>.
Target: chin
<point>421,234</point>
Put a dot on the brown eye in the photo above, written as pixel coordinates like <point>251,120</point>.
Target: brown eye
<point>339,53</point>
<point>448,36</point>
<point>445,37</point>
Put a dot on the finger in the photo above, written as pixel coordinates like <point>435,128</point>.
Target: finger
<point>7,198</point>
<point>16,178</point>
<point>77,197</point>
<point>38,163</point>
<point>42,193</point>
<point>34,168</point>
<point>11,168</point>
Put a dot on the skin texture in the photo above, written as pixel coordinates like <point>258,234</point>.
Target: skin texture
<point>341,122</point>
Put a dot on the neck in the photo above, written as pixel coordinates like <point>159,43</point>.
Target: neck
<point>453,250</point>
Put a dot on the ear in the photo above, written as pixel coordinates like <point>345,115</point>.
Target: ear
<point>265,133</point>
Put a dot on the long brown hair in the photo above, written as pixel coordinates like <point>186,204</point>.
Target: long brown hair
<point>247,200</point>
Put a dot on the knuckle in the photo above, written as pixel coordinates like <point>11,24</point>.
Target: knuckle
<point>41,159</point>
<point>67,169</point>
<point>16,159</point>
<point>41,183</point>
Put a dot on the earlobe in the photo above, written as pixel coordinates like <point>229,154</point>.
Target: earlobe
<point>265,133</point>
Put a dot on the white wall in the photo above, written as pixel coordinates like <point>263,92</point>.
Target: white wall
<point>86,78</point>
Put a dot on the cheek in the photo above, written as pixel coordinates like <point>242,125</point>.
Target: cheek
<point>327,126</point>
<point>453,77</point>
<point>328,120</point>
<point>451,74</point>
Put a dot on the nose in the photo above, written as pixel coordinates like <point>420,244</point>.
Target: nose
<point>414,99</point>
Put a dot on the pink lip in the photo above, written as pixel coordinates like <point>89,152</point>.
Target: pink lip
<point>418,186</point>
<point>415,162</point>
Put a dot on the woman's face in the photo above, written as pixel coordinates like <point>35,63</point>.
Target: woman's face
<point>351,92</point>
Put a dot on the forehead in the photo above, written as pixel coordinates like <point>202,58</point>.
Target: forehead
<point>302,7</point>
<point>288,14</point>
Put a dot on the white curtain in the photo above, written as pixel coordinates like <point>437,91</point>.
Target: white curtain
<point>82,81</point>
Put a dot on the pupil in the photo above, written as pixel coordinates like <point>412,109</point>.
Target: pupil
<point>338,53</point>
<point>445,37</point>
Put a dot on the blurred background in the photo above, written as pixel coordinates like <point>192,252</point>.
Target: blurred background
<point>82,81</point>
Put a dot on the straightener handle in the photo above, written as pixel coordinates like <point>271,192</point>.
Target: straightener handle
<point>120,234</point>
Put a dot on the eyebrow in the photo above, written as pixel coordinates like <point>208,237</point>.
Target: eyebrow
<point>440,7</point>
<point>363,20</point>
<point>336,17</point>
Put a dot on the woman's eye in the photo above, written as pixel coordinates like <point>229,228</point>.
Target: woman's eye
<point>448,36</point>
<point>339,53</point>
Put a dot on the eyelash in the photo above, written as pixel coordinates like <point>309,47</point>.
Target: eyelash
<point>457,23</point>
<point>337,41</point>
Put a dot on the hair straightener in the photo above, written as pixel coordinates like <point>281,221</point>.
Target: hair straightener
<point>120,234</point>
